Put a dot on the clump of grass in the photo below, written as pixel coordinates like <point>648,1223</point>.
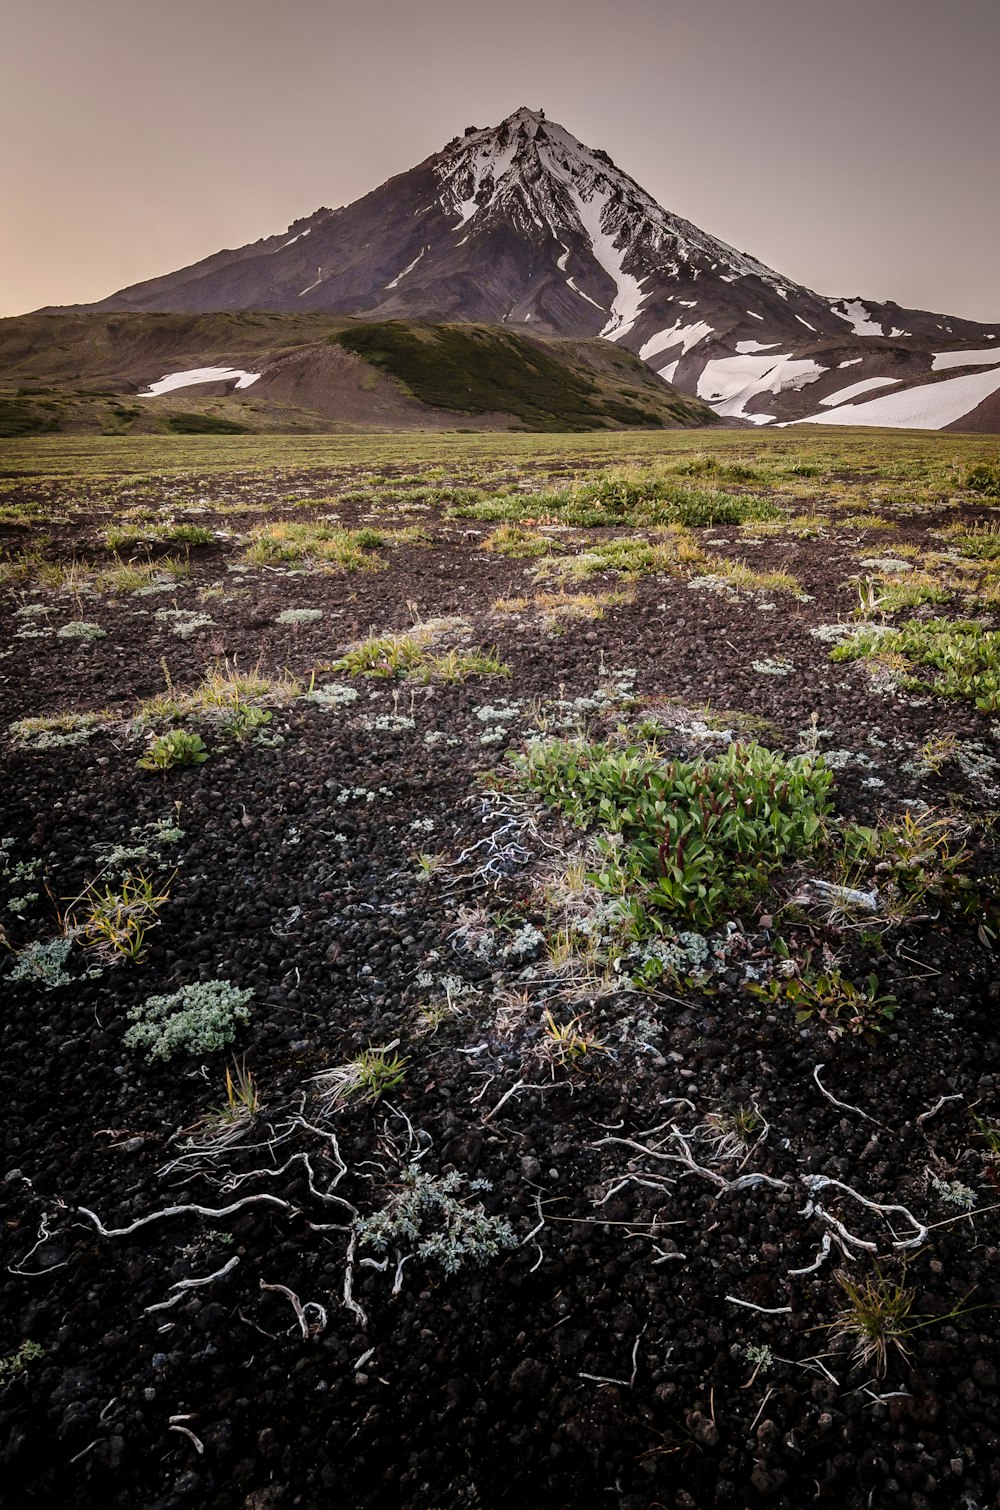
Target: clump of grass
<point>366,1078</point>
<point>866,522</point>
<point>513,540</point>
<point>873,1320</point>
<point>408,655</point>
<point>118,535</point>
<point>891,594</point>
<point>741,576</point>
<point>674,552</point>
<point>223,690</point>
<point>114,920</point>
<point>319,544</point>
<point>569,605</point>
<point>566,1043</point>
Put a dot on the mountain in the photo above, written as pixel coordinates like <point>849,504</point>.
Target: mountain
<point>521,224</point>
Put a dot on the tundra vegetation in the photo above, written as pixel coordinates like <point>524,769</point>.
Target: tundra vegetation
<point>588,846</point>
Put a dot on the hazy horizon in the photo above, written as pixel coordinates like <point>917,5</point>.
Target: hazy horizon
<point>852,149</point>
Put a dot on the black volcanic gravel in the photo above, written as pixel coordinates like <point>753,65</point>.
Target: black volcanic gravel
<point>599,1362</point>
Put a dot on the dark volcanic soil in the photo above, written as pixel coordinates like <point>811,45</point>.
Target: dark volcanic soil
<point>640,1338</point>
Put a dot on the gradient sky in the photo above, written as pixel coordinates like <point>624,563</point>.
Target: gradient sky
<point>853,145</point>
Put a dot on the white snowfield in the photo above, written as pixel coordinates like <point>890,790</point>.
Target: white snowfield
<point>729,383</point>
<point>945,359</point>
<point>852,390</point>
<point>197,375</point>
<point>684,336</point>
<point>930,406</point>
<point>667,373</point>
<point>746,347</point>
<point>851,362</point>
<point>857,316</point>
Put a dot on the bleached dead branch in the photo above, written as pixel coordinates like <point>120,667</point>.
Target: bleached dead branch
<point>214,1212</point>
<point>183,1285</point>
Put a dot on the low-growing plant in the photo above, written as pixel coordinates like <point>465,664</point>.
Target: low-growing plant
<point>322,545</point>
<point>695,839</point>
<point>197,1019</point>
<point>522,544</point>
<point>428,1215</point>
<point>80,629</point>
<point>245,721</point>
<point>984,478</point>
<point>842,1006</point>
<point>873,1320</point>
<point>366,1078</point>
<point>566,1043</point>
<point>114,920</point>
<point>964,654</point>
<point>176,747</point>
<point>16,1363</point>
<point>51,731</point>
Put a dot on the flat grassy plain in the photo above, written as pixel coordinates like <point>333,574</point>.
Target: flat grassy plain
<point>499,955</point>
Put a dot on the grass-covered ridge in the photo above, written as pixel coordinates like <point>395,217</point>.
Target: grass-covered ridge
<point>474,369</point>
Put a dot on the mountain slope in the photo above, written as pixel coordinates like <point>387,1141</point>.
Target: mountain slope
<point>522,224</point>
<point>83,371</point>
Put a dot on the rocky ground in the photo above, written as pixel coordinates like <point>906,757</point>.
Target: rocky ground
<point>500,1207</point>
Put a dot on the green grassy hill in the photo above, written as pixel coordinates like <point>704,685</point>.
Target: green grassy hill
<point>83,373</point>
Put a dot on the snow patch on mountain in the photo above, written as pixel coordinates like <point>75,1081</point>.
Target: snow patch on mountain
<point>930,406</point>
<point>196,375</point>
<point>746,347</point>
<point>586,296</point>
<point>729,383</point>
<point>409,269</point>
<point>857,316</point>
<point>684,336</point>
<point>944,359</point>
<point>667,373</point>
<point>854,389</point>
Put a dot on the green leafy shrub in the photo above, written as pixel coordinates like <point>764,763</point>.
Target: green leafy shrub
<point>984,478</point>
<point>196,1019</point>
<point>696,839</point>
<point>176,747</point>
<point>964,654</point>
<point>841,1005</point>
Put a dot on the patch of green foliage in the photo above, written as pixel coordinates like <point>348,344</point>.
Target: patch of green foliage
<point>693,839</point>
<point>984,478</point>
<point>19,416</point>
<point>964,654</point>
<point>203,424</point>
<point>176,747</point>
<point>475,370</point>
<point>843,1006</point>
<point>427,1215</point>
<point>196,1019</point>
